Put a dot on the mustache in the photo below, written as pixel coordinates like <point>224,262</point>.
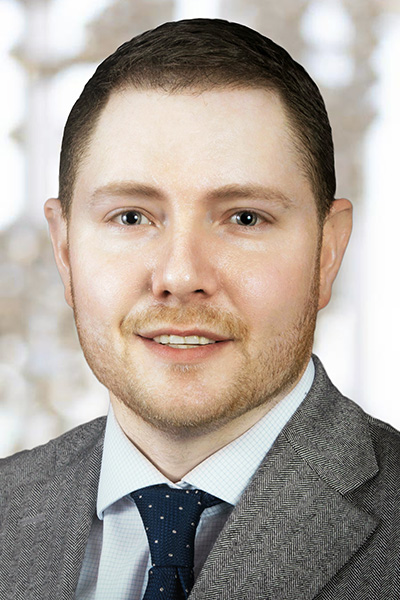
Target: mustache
<point>219,321</point>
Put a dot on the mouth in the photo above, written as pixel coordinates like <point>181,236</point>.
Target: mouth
<point>189,344</point>
<point>183,342</point>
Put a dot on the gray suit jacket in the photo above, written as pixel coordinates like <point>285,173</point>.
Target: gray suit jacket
<point>320,519</point>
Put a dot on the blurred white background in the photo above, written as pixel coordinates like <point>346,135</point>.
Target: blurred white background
<point>49,48</point>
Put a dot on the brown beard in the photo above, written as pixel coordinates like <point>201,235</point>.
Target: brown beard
<point>260,380</point>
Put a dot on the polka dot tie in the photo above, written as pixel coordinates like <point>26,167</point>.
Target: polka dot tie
<point>170,517</point>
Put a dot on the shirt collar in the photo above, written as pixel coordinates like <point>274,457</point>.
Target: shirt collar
<point>224,474</point>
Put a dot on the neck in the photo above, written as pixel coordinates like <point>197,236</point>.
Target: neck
<point>174,455</point>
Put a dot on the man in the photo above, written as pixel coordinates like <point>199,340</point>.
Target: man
<point>197,236</point>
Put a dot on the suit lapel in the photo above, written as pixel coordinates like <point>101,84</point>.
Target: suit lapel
<point>78,504</point>
<point>49,517</point>
<point>293,528</point>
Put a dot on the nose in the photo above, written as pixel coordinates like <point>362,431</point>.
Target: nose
<point>184,267</point>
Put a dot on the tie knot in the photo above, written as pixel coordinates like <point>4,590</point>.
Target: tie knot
<point>170,517</point>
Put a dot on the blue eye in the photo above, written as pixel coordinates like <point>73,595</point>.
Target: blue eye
<point>246,218</point>
<point>132,217</point>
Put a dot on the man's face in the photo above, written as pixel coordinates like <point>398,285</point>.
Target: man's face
<point>191,217</point>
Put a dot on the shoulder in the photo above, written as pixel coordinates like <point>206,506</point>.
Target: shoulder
<point>41,462</point>
<point>384,430</point>
<point>345,445</point>
<point>386,442</point>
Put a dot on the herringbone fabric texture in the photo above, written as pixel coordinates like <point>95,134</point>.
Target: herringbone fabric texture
<point>170,517</point>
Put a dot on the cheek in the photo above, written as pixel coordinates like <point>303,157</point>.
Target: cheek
<point>105,285</point>
<point>271,287</point>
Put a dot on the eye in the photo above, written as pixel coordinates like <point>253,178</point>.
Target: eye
<point>132,217</point>
<point>246,218</point>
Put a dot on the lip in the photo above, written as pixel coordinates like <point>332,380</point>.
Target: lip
<point>150,335</point>
<point>183,355</point>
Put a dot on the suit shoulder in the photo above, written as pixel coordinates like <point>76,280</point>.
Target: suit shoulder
<point>40,462</point>
<point>386,440</point>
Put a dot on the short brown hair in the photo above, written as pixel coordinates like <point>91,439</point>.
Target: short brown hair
<point>203,54</point>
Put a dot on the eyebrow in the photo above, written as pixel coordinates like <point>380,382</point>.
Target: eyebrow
<point>226,192</point>
<point>125,188</point>
<point>252,192</point>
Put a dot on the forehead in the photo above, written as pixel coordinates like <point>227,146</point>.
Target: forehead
<point>192,140</point>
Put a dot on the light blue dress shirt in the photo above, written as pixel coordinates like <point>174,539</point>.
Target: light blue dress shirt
<point>117,556</point>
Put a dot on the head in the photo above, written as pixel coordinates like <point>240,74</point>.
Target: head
<point>200,55</point>
<point>197,200</point>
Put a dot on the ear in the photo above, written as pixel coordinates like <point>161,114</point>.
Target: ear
<point>335,237</point>
<point>58,227</point>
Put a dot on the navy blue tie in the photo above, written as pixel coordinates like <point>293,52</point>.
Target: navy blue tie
<point>170,517</point>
